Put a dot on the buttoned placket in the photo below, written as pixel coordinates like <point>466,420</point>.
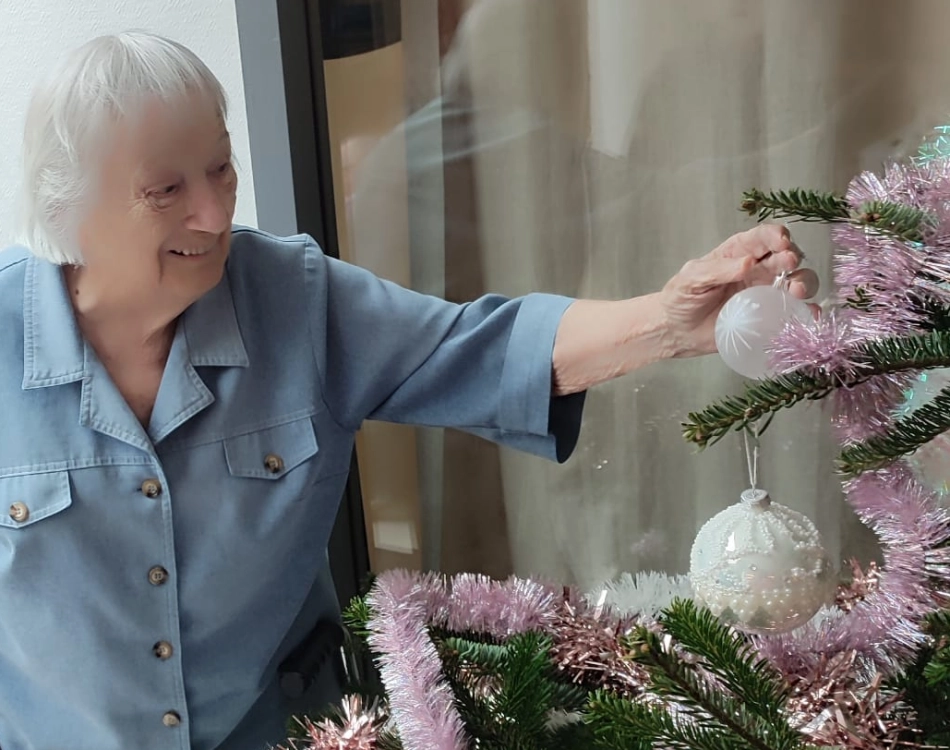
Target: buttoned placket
<point>161,580</point>
<point>171,715</point>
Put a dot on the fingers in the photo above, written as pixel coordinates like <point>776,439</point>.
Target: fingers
<point>759,242</point>
<point>803,283</point>
<point>707,273</point>
<point>784,261</point>
<point>751,258</point>
<point>769,244</point>
<point>774,253</point>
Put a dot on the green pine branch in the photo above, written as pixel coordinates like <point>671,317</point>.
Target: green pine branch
<point>475,709</point>
<point>481,659</point>
<point>506,692</point>
<point>905,436</point>
<point>568,696</point>
<point>466,676</point>
<point>356,617</point>
<point>484,658</point>
<point>760,399</point>
<point>797,203</point>
<point>619,722</point>
<point>934,314</point>
<point>936,672</point>
<point>576,735</point>
<point>904,222</point>
<point>765,397</point>
<point>924,351</point>
<point>925,684</point>
<point>731,658</point>
<point>716,710</point>
<point>525,697</point>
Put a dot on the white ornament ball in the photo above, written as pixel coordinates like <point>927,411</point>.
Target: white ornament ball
<point>748,324</point>
<point>760,566</point>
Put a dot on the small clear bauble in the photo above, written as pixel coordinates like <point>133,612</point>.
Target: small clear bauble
<point>931,461</point>
<point>750,321</point>
<point>760,566</point>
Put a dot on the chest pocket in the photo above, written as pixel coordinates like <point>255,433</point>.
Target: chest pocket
<point>28,498</point>
<point>273,452</point>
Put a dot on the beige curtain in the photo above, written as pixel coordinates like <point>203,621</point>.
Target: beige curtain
<point>591,148</point>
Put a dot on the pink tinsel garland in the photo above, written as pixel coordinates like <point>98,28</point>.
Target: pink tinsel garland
<point>420,702</point>
<point>405,605</point>
<point>885,628</point>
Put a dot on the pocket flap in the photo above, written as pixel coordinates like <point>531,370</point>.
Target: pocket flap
<point>272,452</point>
<point>28,498</point>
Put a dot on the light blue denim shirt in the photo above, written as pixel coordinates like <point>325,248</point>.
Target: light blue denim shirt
<point>152,580</point>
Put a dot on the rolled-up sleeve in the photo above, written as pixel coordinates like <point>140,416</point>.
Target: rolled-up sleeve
<point>391,354</point>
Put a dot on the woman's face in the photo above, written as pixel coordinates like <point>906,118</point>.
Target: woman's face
<point>157,233</point>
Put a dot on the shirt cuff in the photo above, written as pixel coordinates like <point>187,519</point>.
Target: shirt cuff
<point>531,418</point>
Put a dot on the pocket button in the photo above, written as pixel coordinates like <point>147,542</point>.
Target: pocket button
<point>273,463</point>
<point>19,512</point>
<point>151,488</point>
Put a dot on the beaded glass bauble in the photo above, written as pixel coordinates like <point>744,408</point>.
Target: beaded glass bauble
<point>748,324</point>
<point>930,462</point>
<point>760,566</point>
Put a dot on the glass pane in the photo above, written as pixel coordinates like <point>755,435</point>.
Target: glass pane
<point>590,149</point>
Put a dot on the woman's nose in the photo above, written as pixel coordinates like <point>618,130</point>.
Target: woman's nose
<point>210,208</point>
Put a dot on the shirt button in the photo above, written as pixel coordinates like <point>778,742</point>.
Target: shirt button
<point>171,719</point>
<point>163,650</point>
<point>151,488</point>
<point>19,512</point>
<point>157,575</point>
<point>273,463</point>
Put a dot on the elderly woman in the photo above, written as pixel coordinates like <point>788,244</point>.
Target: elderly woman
<point>181,398</point>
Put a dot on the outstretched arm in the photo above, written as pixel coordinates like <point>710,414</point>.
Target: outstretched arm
<point>597,341</point>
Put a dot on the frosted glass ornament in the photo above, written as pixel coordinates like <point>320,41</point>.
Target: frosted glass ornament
<point>748,324</point>
<point>931,462</point>
<point>761,566</point>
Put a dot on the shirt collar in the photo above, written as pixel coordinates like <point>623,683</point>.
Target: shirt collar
<point>54,352</point>
<point>212,331</point>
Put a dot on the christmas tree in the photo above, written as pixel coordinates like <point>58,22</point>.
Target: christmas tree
<point>468,662</point>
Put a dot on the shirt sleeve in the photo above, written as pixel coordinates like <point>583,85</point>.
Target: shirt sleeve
<point>387,353</point>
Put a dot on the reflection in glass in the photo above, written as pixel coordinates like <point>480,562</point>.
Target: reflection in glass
<point>590,149</point>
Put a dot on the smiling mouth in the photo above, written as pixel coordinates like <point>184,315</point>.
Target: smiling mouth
<point>191,253</point>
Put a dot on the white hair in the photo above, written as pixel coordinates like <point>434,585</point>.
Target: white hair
<point>106,79</point>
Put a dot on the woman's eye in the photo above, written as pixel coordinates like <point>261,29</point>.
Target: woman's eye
<point>166,190</point>
<point>223,168</point>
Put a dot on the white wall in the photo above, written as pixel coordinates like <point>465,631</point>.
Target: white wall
<point>36,34</point>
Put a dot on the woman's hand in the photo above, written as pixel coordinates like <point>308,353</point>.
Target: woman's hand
<point>598,341</point>
<point>691,300</point>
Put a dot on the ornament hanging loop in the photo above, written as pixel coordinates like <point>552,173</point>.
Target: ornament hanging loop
<point>782,281</point>
<point>750,435</point>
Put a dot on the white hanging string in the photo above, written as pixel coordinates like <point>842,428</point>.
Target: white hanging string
<point>751,434</point>
<point>751,440</point>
